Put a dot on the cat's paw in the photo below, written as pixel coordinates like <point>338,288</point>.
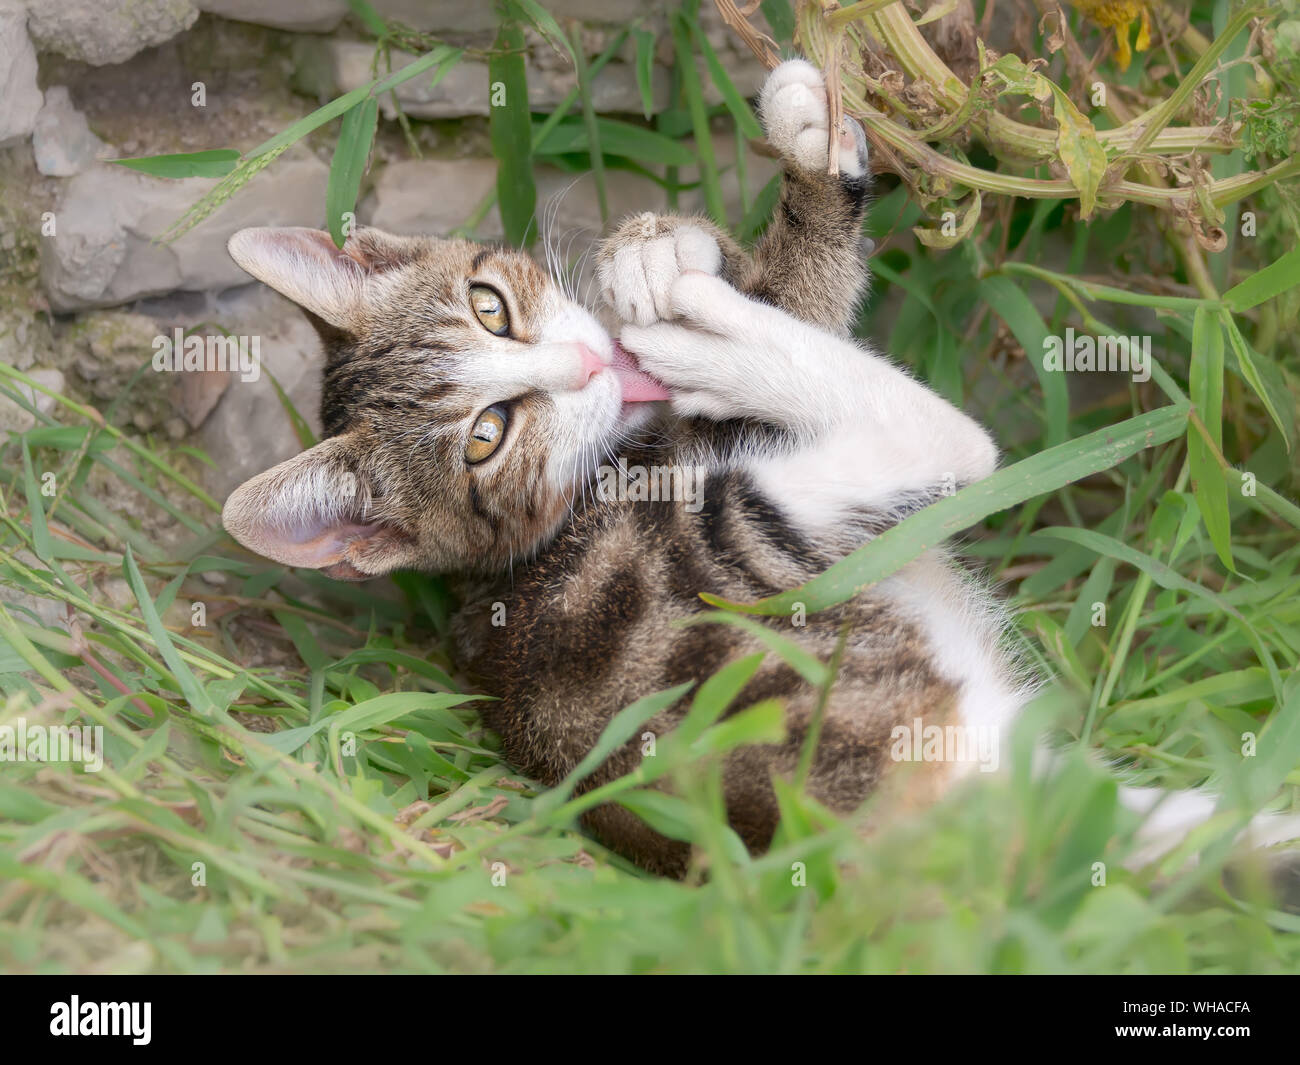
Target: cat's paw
<point>643,259</point>
<point>795,114</point>
<point>698,349</point>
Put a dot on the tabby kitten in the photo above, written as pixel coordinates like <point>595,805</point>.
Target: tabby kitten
<point>469,403</point>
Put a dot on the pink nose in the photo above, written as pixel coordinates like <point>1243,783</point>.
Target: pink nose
<point>592,363</point>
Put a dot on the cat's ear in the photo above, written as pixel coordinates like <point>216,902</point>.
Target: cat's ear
<point>314,511</point>
<point>305,265</point>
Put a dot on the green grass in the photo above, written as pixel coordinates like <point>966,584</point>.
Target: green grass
<point>300,783</point>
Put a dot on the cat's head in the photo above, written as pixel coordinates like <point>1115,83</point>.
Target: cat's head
<point>466,399</point>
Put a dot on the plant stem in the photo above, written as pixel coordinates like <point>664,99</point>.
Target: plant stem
<point>1162,114</point>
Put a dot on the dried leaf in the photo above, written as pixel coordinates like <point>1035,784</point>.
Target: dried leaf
<point>1053,39</point>
<point>1079,149</point>
<point>480,813</point>
<point>961,226</point>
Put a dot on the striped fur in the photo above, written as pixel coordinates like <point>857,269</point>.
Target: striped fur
<point>592,588</point>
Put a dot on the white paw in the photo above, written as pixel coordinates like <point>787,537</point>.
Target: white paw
<point>637,279</point>
<point>670,353</point>
<point>795,113</point>
<point>701,348</point>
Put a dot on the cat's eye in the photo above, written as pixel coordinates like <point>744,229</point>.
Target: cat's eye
<point>490,309</point>
<point>487,434</point>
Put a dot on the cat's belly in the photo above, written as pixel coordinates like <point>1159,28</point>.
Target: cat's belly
<point>595,624</point>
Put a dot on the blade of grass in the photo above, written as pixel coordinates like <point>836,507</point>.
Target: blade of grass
<point>594,152</point>
<point>189,684</point>
<point>645,57</point>
<point>1206,388</point>
<point>694,95</point>
<point>1041,473</point>
<point>1167,577</point>
<point>1021,316</point>
<point>35,509</point>
<point>510,129</point>
<point>746,123</point>
<point>351,154</point>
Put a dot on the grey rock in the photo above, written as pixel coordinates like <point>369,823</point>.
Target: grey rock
<point>435,196</point>
<point>464,90</point>
<point>50,613</point>
<point>20,99</point>
<point>612,11</point>
<point>106,349</point>
<point>107,31</point>
<point>309,15</point>
<point>22,335</point>
<point>62,141</point>
<point>614,90</point>
<point>249,431</point>
<point>465,17</point>
<point>431,197</point>
<point>19,419</point>
<point>89,246</point>
<point>439,14</point>
<point>197,393</point>
<point>103,253</point>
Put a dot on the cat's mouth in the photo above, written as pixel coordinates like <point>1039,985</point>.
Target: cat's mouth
<point>637,385</point>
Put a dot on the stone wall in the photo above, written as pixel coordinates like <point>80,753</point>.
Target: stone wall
<point>84,284</point>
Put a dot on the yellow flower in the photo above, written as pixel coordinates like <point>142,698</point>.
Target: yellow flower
<point>1119,15</point>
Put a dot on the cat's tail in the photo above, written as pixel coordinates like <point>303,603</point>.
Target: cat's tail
<point>1169,816</point>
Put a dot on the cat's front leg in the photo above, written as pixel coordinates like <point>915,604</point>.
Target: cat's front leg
<point>638,262</point>
<point>859,419</point>
<point>726,355</point>
<point>811,260</point>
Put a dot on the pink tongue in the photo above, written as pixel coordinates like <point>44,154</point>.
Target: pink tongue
<point>638,386</point>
